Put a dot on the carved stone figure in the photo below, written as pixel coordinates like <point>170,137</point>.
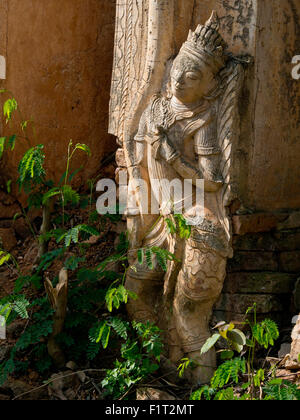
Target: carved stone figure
<point>185,132</point>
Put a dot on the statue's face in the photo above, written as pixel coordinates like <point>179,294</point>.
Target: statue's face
<point>190,79</point>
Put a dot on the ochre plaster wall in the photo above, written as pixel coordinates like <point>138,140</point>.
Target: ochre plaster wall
<point>274,161</point>
<point>59,60</point>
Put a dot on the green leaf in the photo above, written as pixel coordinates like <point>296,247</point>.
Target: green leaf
<point>51,193</point>
<point>72,262</point>
<point>228,371</point>
<point>226,354</point>
<point>185,362</point>
<point>83,147</point>
<point>259,377</point>
<point>237,339</point>
<point>12,141</point>
<point>210,342</point>
<point>140,254</point>
<point>31,168</point>
<point>4,257</point>
<point>171,226</point>
<point>24,125</point>
<point>9,107</point>
<point>148,254</point>
<point>70,195</point>
<point>105,336</point>
<point>265,332</point>
<point>8,186</point>
<point>2,146</point>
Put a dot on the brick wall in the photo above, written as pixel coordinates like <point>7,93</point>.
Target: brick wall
<point>264,269</point>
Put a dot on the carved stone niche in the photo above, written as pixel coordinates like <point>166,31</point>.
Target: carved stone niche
<point>176,118</point>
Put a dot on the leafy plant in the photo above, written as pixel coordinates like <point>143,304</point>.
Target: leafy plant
<point>282,390</point>
<point>162,256</point>
<point>177,224</point>
<point>140,355</point>
<point>262,334</point>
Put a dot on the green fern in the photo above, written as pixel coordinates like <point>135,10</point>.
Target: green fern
<point>228,371</point>
<point>69,195</point>
<point>100,333</point>
<point>73,262</point>
<point>120,327</point>
<point>115,296</point>
<point>162,257</point>
<point>178,224</point>
<point>226,394</point>
<point>282,390</point>
<point>14,303</point>
<point>10,105</point>
<point>31,168</point>
<point>149,260</point>
<point>205,391</point>
<point>24,281</point>
<point>49,194</point>
<point>183,228</point>
<point>73,234</point>
<point>20,307</point>
<point>89,230</point>
<point>265,332</point>
<point>93,349</point>
<point>47,259</point>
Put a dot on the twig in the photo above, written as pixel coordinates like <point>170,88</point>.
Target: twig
<point>56,379</point>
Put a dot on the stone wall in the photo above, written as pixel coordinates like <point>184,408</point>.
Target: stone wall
<point>265,268</point>
<point>59,61</point>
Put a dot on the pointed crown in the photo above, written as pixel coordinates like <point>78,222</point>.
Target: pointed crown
<point>207,44</point>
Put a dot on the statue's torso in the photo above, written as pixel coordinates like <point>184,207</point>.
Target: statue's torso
<point>181,125</point>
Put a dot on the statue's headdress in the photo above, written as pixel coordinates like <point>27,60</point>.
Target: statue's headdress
<point>207,44</point>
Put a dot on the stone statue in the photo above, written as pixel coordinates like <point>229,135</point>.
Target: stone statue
<point>186,132</point>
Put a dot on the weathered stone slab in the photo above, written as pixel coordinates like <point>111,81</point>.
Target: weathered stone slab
<point>239,303</point>
<point>290,261</point>
<point>239,319</point>
<point>266,282</point>
<point>292,222</point>
<point>8,206</point>
<point>253,261</point>
<point>254,223</point>
<point>7,239</point>
<point>287,240</point>
<point>254,242</point>
<point>21,228</point>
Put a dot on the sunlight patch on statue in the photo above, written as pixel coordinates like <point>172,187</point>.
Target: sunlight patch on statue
<point>2,328</point>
